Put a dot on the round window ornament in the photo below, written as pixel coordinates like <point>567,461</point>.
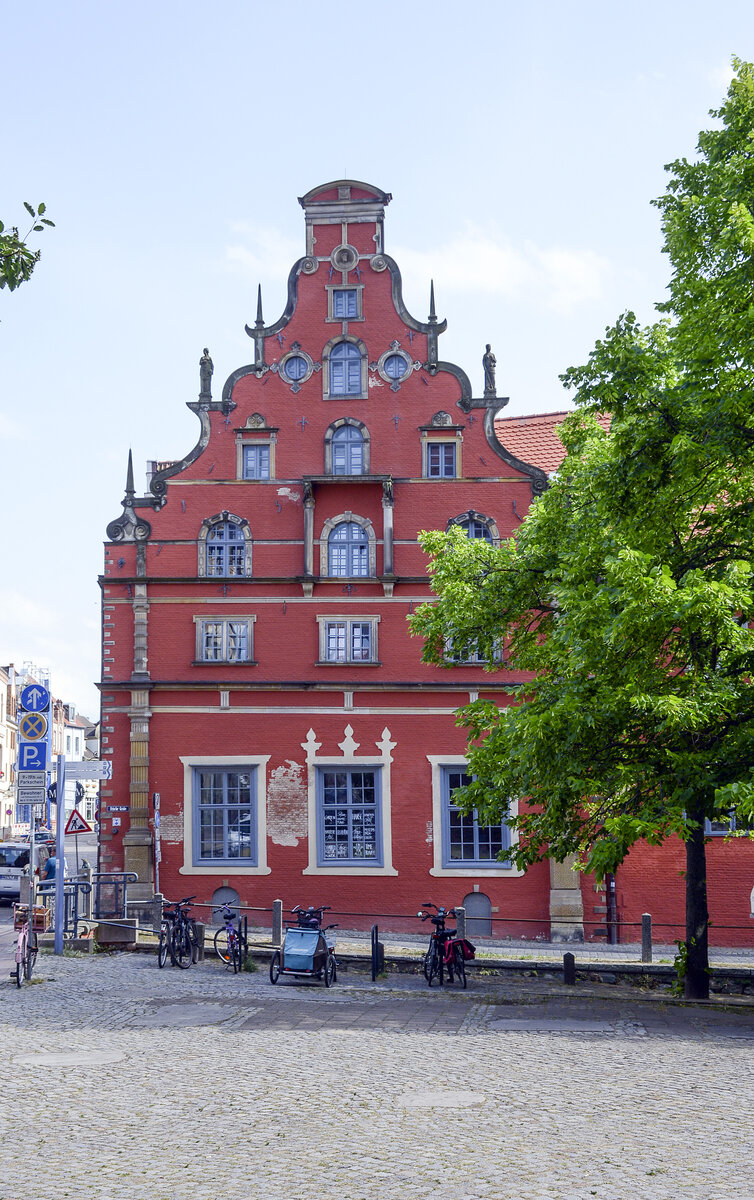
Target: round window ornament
<point>395,366</point>
<point>295,367</point>
<point>378,263</point>
<point>344,258</point>
<point>309,265</point>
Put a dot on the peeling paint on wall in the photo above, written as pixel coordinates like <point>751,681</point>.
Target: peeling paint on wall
<point>430,833</point>
<point>171,828</point>
<point>287,493</point>
<point>287,818</point>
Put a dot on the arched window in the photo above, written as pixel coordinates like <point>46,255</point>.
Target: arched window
<point>347,550</point>
<point>225,547</point>
<point>477,529</point>
<point>347,451</point>
<point>477,525</point>
<point>345,370</point>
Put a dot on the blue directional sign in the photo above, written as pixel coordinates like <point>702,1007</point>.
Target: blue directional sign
<point>35,698</point>
<point>32,756</point>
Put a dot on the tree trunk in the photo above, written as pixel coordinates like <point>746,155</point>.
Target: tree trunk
<point>696,983</point>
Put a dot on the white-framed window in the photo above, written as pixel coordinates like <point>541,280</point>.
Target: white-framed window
<point>224,639</point>
<point>461,845</point>
<point>348,551</point>
<point>347,447</point>
<point>457,652</point>
<point>348,816</point>
<point>464,841</point>
<point>225,547</point>
<point>256,461</point>
<point>349,805</point>
<point>724,826</point>
<point>224,814</point>
<point>344,367</point>
<point>347,450</point>
<point>350,639</point>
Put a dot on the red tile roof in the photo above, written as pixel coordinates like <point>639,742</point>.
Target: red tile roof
<point>533,438</point>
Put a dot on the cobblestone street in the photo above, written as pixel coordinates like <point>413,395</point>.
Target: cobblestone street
<point>126,1082</point>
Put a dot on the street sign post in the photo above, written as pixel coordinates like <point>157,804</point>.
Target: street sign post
<point>93,769</point>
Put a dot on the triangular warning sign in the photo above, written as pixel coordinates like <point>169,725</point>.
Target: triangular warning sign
<point>77,824</point>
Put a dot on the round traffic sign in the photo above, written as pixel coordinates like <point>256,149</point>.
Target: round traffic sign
<point>35,698</point>
<point>32,726</point>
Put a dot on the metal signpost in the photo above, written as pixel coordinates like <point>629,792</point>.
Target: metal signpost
<point>31,767</point>
<point>60,856</point>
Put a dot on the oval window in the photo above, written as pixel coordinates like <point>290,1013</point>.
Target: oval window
<point>295,367</point>
<point>395,366</point>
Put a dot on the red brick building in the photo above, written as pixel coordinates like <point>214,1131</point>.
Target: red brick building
<point>258,671</point>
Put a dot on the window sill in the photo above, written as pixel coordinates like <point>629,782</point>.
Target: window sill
<point>364,662</point>
<point>224,662</point>
<point>224,868</point>
<point>475,871</point>
<point>349,870</point>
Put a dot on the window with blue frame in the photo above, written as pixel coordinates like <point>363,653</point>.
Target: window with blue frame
<point>466,843</point>
<point>345,303</point>
<point>347,550</point>
<point>345,370</point>
<point>256,462</point>
<point>225,816</point>
<point>723,826</point>
<point>476,529</point>
<point>441,460</point>
<point>347,451</point>
<point>226,550</point>
<point>349,828</point>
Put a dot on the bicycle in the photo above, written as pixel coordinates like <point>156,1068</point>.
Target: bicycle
<point>446,953</point>
<point>27,946</point>
<point>178,936</point>
<point>227,941</point>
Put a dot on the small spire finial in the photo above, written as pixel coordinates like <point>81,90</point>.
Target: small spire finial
<point>130,490</point>
<point>260,318</point>
<point>432,313</point>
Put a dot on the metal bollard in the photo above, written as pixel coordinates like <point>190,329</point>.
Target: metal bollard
<point>646,937</point>
<point>277,923</point>
<point>200,938</point>
<point>461,922</point>
<point>569,969</point>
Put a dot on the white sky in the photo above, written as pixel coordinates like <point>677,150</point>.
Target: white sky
<point>521,143</point>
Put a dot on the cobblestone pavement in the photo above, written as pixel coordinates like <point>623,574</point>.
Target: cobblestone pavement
<point>128,1083</point>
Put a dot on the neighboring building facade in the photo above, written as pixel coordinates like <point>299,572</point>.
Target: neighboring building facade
<point>258,671</point>
<point>8,737</point>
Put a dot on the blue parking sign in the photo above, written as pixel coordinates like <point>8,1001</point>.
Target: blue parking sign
<point>32,756</point>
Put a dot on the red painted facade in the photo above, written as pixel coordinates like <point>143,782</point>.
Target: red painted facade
<point>257,671</point>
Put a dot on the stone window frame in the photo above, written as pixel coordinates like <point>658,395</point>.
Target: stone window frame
<point>381,761</point>
<point>331,289</point>
<point>325,619</point>
<point>209,523</point>
<point>329,434</point>
<point>296,352</point>
<point>464,519</point>
<point>253,438</point>
<point>395,350</point>
<point>248,619</point>
<point>257,762</point>
<point>439,764</point>
<point>324,539</point>
<point>327,351</point>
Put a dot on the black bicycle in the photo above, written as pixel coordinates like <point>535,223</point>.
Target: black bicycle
<point>179,937</point>
<point>446,954</point>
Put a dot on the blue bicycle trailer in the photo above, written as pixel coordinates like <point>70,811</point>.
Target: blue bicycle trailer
<point>307,951</point>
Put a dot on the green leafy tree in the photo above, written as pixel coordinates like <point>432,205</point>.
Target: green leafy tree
<point>17,260</point>
<point>624,598</point>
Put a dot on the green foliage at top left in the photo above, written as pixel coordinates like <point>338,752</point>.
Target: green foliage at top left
<point>17,260</point>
